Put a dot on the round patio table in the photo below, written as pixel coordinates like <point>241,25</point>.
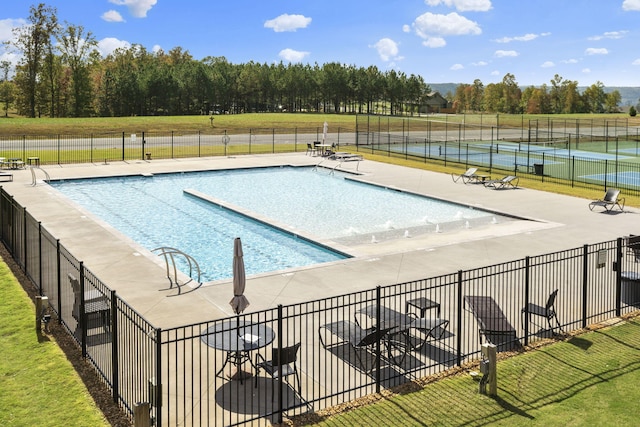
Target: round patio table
<point>238,338</point>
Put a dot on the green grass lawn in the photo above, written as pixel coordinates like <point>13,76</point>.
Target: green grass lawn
<point>588,380</point>
<point>38,385</point>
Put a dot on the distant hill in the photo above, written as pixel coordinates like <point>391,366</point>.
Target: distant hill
<point>629,95</point>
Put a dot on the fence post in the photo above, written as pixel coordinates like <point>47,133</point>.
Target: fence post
<point>379,324</point>
<point>618,276</point>
<point>115,381</point>
<point>157,401</point>
<point>59,282</point>
<point>280,407</point>
<point>526,300</point>
<point>40,256</point>
<point>459,332</point>
<point>585,273</point>
<point>123,148</point>
<point>25,245</point>
<point>81,320</point>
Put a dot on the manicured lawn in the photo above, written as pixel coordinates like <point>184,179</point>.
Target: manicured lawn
<point>588,380</point>
<point>38,385</point>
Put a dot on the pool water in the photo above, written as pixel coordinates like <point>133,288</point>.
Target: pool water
<point>155,211</point>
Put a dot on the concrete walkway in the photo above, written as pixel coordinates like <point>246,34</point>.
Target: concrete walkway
<point>552,222</point>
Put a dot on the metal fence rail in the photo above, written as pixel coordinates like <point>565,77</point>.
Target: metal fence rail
<point>121,146</point>
<point>183,372</point>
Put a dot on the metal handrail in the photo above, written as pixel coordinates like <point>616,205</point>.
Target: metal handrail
<point>34,181</point>
<point>169,255</point>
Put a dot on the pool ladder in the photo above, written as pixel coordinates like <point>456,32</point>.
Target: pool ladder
<point>333,169</point>
<point>34,180</point>
<point>170,255</point>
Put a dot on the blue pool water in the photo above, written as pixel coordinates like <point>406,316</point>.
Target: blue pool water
<point>155,211</point>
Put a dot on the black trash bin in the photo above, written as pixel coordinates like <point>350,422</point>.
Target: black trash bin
<point>538,168</point>
<point>630,290</point>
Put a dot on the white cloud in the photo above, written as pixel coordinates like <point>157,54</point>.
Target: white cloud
<point>432,27</point>
<point>633,5</point>
<point>586,70</point>
<point>636,62</point>
<point>156,48</point>
<point>463,5</point>
<point>609,35</point>
<point>7,26</point>
<point>505,53</point>
<point>596,51</point>
<point>387,49</point>
<point>456,67</point>
<point>569,61</point>
<point>480,63</point>
<point>112,16</point>
<point>548,64</point>
<point>525,38</point>
<point>137,8</point>
<point>292,55</point>
<point>107,45</point>
<point>495,73</point>
<point>434,42</point>
<point>406,28</point>
<point>287,22</point>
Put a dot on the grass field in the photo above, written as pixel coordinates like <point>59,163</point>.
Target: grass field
<point>307,121</point>
<point>38,385</point>
<point>587,380</point>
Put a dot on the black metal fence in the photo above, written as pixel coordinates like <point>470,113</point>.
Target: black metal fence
<point>121,146</point>
<point>346,349</point>
<point>549,163</point>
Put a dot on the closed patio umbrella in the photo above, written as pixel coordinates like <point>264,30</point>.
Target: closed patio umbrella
<point>239,302</point>
<point>325,129</point>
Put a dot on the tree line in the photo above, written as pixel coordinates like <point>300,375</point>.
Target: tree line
<point>62,74</point>
<point>561,96</point>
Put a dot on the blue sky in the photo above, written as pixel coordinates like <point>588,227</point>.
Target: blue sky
<point>444,41</point>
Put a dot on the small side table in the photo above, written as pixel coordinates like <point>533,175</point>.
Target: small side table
<point>423,304</point>
<point>33,160</point>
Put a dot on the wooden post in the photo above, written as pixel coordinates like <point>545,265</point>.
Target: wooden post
<point>41,306</point>
<point>141,415</point>
<point>490,355</point>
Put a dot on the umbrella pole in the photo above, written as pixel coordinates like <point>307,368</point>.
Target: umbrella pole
<point>237,373</point>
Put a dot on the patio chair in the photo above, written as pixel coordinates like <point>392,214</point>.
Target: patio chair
<point>493,324</point>
<point>359,339</point>
<point>311,150</point>
<point>430,328</point>
<point>283,364</point>
<point>633,246</point>
<point>94,303</point>
<point>547,311</point>
<point>506,182</point>
<point>610,200</point>
<point>466,177</point>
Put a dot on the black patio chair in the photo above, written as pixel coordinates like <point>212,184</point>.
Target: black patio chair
<point>358,338</point>
<point>283,364</point>
<point>548,311</point>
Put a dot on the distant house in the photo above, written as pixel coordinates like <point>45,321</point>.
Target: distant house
<point>435,103</point>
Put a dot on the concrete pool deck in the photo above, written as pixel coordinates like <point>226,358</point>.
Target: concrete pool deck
<point>556,222</point>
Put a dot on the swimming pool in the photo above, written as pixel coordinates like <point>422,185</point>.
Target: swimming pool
<point>156,211</point>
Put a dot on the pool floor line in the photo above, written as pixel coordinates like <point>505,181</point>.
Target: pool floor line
<point>292,231</point>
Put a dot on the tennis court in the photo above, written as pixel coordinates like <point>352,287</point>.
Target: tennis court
<point>629,178</point>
